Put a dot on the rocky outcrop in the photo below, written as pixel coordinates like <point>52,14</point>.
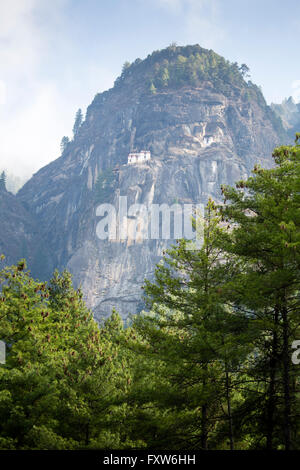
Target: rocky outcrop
<point>289,113</point>
<point>20,236</point>
<point>199,138</point>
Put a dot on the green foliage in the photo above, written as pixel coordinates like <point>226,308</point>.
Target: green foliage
<point>152,89</point>
<point>175,67</point>
<point>221,323</point>
<point>126,65</point>
<point>64,143</point>
<point>244,70</point>
<point>264,212</point>
<point>196,339</point>
<point>78,122</point>
<point>207,367</point>
<point>62,377</point>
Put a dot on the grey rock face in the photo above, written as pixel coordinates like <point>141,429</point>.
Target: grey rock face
<point>289,113</point>
<point>198,138</point>
<point>20,236</point>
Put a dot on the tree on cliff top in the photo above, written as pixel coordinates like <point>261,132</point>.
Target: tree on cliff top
<point>78,122</point>
<point>3,181</point>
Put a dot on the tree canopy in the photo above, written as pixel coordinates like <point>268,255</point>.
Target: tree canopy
<point>207,365</point>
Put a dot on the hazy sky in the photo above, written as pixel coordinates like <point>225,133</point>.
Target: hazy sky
<point>55,55</point>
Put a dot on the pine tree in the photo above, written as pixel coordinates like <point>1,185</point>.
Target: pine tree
<point>244,69</point>
<point>3,181</point>
<point>196,341</point>
<point>60,385</point>
<point>78,122</point>
<point>64,143</point>
<point>125,66</point>
<point>265,218</point>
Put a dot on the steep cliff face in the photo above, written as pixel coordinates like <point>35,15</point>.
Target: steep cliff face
<point>201,132</point>
<point>20,236</point>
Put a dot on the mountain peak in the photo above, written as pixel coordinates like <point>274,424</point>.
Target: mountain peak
<point>204,126</point>
<point>177,66</point>
<point>289,113</point>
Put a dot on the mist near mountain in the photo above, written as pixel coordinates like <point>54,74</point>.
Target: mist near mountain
<point>289,113</point>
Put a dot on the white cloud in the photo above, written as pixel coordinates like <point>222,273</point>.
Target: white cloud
<point>172,5</point>
<point>201,20</point>
<point>31,137</point>
<point>203,23</point>
<point>28,140</point>
<point>37,106</point>
<point>19,39</point>
<point>296,90</point>
<point>24,99</point>
<point>2,92</point>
